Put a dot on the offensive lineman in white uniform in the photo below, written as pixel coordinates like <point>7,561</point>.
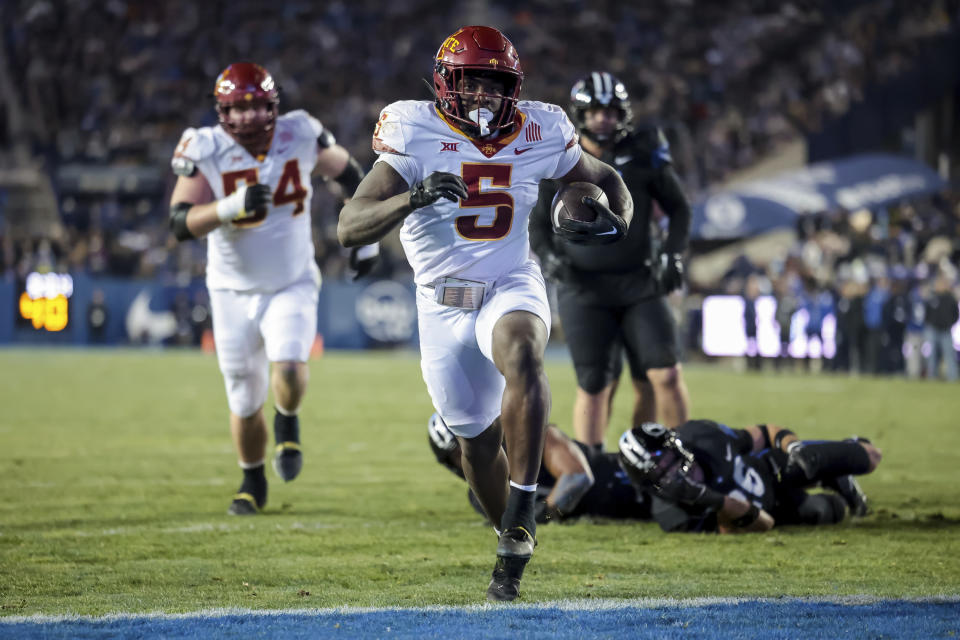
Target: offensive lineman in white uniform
<point>246,183</point>
<point>462,175</point>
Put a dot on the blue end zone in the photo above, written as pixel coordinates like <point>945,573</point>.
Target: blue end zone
<point>721,618</point>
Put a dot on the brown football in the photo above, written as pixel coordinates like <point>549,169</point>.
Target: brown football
<point>567,204</point>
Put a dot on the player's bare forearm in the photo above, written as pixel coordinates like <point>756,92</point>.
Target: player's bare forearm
<point>202,217</point>
<point>590,169</point>
<point>739,516</point>
<point>380,203</point>
<point>565,462</point>
<point>367,220</point>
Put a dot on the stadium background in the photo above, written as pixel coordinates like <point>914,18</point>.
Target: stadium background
<point>94,95</point>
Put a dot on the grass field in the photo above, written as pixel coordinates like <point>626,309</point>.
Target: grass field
<point>116,470</point>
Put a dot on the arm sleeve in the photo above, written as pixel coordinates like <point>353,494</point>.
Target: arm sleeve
<point>744,441</point>
<point>569,156</point>
<point>541,230</point>
<point>673,518</point>
<point>668,193</point>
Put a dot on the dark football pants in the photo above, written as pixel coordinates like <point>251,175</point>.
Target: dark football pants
<point>597,336</point>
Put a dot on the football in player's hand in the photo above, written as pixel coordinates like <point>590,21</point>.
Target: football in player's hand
<point>568,203</point>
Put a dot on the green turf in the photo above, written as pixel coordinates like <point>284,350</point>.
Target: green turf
<point>116,469</point>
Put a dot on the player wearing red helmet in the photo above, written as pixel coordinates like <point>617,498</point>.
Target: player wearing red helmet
<point>248,104</point>
<point>246,183</point>
<point>460,173</point>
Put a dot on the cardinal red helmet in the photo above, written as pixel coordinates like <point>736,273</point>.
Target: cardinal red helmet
<point>481,51</point>
<point>247,84</point>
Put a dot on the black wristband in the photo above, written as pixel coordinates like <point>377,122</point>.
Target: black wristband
<point>778,439</point>
<point>747,519</point>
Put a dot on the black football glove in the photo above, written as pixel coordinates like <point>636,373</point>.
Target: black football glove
<point>435,186</point>
<point>670,272</point>
<point>364,259</point>
<point>258,196</point>
<point>677,487</point>
<point>608,227</point>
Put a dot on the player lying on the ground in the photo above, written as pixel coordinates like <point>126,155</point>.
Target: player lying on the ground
<point>706,476</point>
<point>571,483</point>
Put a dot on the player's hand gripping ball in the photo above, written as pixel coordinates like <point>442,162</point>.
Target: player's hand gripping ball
<point>581,214</point>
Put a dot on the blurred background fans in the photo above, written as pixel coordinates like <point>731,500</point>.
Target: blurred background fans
<point>818,140</point>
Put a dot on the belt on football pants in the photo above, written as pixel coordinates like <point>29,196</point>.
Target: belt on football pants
<point>456,292</point>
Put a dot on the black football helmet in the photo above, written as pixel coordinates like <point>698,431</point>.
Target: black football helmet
<point>444,444</point>
<point>600,89</point>
<point>649,451</point>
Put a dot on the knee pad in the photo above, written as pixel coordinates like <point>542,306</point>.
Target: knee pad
<point>246,391</point>
<point>593,379</point>
<point>822,508</point>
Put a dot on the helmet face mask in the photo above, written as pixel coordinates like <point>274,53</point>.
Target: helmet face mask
<point>651,451</point>
<point>600,90</point>
<point>472,56</point>
<point>248,104</point>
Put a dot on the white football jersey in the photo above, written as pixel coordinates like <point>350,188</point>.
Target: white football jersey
<point>259,253</point>
<point>485,235</point>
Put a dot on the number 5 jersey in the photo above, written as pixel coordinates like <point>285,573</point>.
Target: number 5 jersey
<point>484,236</point>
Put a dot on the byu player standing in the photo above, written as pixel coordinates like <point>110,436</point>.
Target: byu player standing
<point>246,183</point>
<point>461,174</point>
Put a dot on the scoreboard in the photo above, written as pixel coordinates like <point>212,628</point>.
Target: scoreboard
<point>45,300</point>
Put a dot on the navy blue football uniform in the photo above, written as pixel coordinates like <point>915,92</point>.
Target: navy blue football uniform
<point>729,467</point>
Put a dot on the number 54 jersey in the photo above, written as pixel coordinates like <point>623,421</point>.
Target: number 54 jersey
<point>264,252</point>
<point>485,235</point>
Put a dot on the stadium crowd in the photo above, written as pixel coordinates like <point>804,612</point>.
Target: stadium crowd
<point>888,276</point>
<point>729,81</point>
<point>735,78</point>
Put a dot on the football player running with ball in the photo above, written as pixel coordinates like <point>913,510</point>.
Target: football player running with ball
<point>245,184</point>
<point>461,174</point>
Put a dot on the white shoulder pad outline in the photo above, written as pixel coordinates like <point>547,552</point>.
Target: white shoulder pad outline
<point>389,134</point>
<point>303,123</point>
<point>196,144</point>
<point>553,121</point>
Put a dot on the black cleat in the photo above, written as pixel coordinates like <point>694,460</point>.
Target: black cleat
<point>849,489</point>
<point>514,551</point>
<point>288,460</point>
<point>244,504</point>
<point>251,497</point>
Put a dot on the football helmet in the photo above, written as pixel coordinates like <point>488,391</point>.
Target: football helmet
<point>649,451</point>
<point>481,51</point>
<point>444,444</point>
<point>600,89</point>
<point>246,83</point>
